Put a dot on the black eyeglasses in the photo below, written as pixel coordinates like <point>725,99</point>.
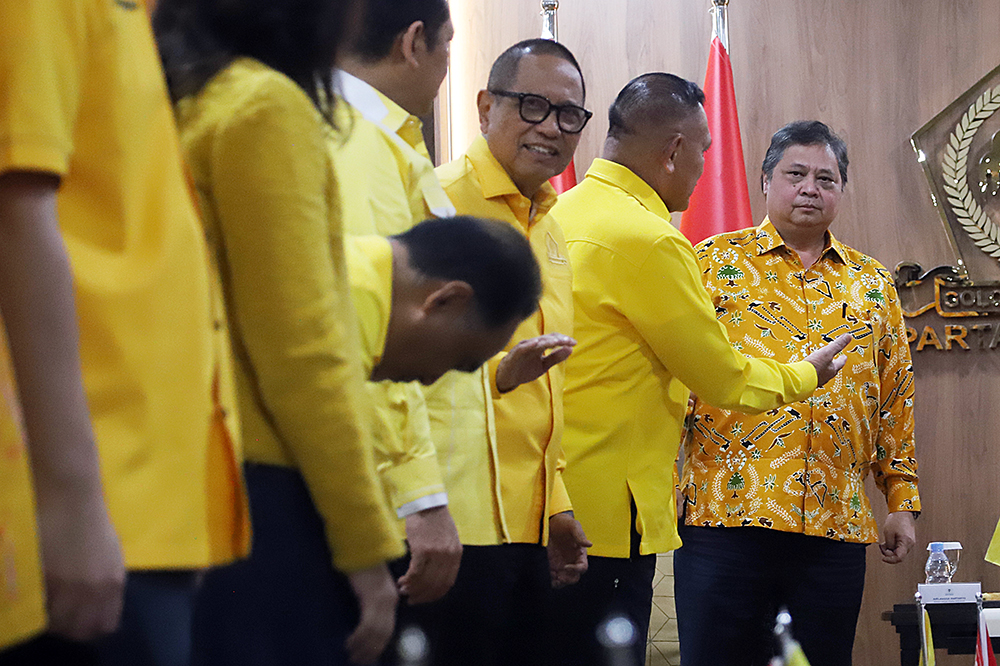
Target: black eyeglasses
<point>535,109</point>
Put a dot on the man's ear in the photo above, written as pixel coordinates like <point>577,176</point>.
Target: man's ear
<point>452,297</point>
<point>413,44</point>
<point>668,158</point>
<point>765,183</point>
<point>484,102</point>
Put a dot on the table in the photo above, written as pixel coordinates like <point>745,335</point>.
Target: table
<point>952,625</point>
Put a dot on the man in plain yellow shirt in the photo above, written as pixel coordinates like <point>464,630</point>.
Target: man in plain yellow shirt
<point>531,116</point>
<point>445,295</point>
<point>90,172</point>
<point>388,78</point>
<point>647,334</point>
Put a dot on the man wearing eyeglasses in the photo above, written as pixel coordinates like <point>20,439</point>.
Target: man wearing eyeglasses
<point>531,116</point>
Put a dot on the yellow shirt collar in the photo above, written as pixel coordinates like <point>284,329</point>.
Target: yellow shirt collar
<point>769,239</point>
<point>495,181</point>
<point>622,177</point>
<point>379,109</point>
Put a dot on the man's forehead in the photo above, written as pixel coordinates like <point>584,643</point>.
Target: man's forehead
<point>810,156</point>
<point>545,71</point>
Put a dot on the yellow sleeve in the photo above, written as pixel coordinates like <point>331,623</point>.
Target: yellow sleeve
<point>895,468</point>
<point>559,501</point>
<point>291,306</point>
<point>43,48</point>
<point>405,455</point>
<point>671,310</point>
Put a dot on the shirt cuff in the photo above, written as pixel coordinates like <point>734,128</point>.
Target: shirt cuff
<point>422,504</point>
<point>491,374</point>
<point>559,502</point>
<point>411,480</point>
<point>902,496</point>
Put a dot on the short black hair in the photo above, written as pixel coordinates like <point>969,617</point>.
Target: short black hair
<point>655,98</point>
<point>385,20</point>
<point>493,257</point>
<point>804,133</point>
<point>503,73</point>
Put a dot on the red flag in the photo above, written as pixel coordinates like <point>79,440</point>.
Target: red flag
<point>721,201</point>
<point>565,180</point>
<point>984,648</point>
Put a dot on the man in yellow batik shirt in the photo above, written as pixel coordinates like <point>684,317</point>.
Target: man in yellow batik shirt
<point>775,507</point>
<point>530,116</point>
<point>647,334</point>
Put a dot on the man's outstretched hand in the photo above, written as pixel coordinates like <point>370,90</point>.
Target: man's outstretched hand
<point>530,359</point>
<point>827,361</point>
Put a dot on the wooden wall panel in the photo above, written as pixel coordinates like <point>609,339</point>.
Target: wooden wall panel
<point>876,71</point>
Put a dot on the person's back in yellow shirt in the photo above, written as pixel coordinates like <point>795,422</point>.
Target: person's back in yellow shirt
<point>256,138</point>
<point>83,101</point>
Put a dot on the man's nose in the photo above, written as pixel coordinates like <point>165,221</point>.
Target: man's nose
<point>809,187</point>
<point>550,126</point>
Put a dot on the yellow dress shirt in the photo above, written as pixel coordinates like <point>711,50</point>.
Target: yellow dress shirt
<point>260,159</point>
<point>82,96</point>
<point>529,419</point>
<point>393,186</point>
<point>646,333</point>
<point>388,186</point>
<point>802,468</point>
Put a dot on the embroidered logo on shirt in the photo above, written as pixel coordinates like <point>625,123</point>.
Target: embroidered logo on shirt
<point>552,251</point>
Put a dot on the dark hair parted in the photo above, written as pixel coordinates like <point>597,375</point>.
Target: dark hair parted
<point>804,133</point>
<point>385,20</point>
<point>653,99</point>
<point>491,256</point>
<point>299,38</point>
<point>503,74</point>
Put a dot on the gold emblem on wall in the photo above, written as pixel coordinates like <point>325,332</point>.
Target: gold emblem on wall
<point>959,150</point>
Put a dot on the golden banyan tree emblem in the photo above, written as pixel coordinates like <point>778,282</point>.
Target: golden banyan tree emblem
<point>959,151</point>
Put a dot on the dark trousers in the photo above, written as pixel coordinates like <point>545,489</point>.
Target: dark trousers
<point>493,616</point>
<point>612,586</point>
<point>155,628</point>
<point>286,604</point>
<point>729,583</point>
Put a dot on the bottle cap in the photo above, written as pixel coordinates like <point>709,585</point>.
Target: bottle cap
<point>937,547</point>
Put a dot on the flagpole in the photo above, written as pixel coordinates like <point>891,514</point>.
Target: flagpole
<point>550,29</point>
<point>721,201</point>
<point>720,21</point>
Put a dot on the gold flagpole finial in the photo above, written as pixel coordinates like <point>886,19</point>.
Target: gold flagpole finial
<point>550,30</point>
<point>720,22</point>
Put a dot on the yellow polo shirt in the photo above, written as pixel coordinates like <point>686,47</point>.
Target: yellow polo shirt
<point>646,333</point>
<point>529,419</point>
<point>389,186</point>
<point>82,96</point>
<point>22,595</point>
<point>260,159</point>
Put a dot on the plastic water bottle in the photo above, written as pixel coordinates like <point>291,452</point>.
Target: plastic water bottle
<point>938,568</point>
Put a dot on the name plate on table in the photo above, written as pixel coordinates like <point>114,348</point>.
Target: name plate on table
<point>949,593</point>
